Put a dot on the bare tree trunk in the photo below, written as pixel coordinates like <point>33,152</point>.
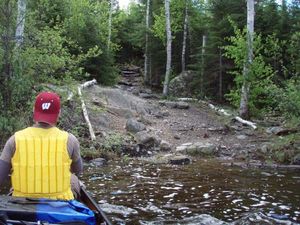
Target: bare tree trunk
<point>202,64</point>
<point>169,48</point>
<point>220,76</point>
<point>185,26</point>
<point>147,59</point>
<point>6,71</point>
<point>244,104</point>
<point>110,24</point>
<point>84,109</point>
<point>20,22</point>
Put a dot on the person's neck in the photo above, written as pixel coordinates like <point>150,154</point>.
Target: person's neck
<point>43,125</point>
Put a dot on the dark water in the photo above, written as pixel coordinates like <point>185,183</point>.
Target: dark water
<point>204,192</point>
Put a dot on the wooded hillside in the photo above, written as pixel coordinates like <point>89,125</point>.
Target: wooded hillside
<point>244,53</point>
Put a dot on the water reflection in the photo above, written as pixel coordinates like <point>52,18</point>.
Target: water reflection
<point>137,193</point>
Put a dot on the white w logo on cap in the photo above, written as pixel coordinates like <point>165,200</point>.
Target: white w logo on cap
<point>46,106</point>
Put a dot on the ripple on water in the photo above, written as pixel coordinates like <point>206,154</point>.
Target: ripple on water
<point>152,193</point>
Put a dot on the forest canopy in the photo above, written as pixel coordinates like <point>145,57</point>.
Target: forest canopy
<point>59,41</point>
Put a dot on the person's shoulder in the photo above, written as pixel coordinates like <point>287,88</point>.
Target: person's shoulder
<point>72,136</point>
<point>20,131</point>
<point>11,139</point>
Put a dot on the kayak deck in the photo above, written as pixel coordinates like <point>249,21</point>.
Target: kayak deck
<point>15,210</point>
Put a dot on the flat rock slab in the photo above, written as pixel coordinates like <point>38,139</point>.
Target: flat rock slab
<point>197,149</point>
<point>173,104</point>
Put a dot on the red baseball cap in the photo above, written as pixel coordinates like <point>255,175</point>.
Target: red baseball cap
<point>46,108</point>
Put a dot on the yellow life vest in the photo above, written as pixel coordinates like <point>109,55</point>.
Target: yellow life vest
<point>41,164</point>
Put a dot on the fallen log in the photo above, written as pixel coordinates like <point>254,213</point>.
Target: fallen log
<point>88,83</point>
<point>187,99</point>
<point>246,122</point>
<point>237,118</point>
<point>84,110</point>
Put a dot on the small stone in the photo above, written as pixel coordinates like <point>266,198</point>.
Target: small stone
<point>296,160</point>
<point>274,130</point>
<point>241,137</point>
<point>181,148</point>
<point>176,136</point>
<point>187,144</point>
<point>165,146</point>
<point>170,104</point>
<point>165,113</point>
<point>145,95</point>
<point>205,135</point>
<point>183,105</point>
<point>98,162</point>
<point>264,148</point>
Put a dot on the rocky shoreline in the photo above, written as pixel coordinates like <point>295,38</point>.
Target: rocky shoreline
<point>132,121</point>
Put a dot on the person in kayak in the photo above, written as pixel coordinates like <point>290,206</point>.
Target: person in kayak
<point>43,159</point>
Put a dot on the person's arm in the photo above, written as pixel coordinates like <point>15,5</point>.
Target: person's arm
<point>74,151</point>
<point>5,159</point>
<point>5,168</point>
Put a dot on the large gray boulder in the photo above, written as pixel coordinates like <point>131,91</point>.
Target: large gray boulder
<point>296,159</point>
<point>132,125</point>
<point>147,139</point>
<point>197,149</point>
<point>181,85</point>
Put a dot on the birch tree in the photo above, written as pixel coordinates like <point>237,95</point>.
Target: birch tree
<point>168,48</point>
<point>202,64</point>
<point>147,57</point>
<point>111,2</point>
<point>244,103</point>
<point>20,22</point>
<point>185,27</point>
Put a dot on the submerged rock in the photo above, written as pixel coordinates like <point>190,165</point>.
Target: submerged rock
<point>203,219</point>
<point>118,209</point>
<point>180,160</point>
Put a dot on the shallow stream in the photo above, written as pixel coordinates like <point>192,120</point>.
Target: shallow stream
<point>204,192</point>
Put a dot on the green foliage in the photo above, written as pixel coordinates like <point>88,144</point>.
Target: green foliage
<point>87,25</point>
<point>288,99</point>
<point>260,73</point>
<point>294,51</point>
<point>284,149</point>
<point>63,40</point>
<point>130,36</point>
<point>113,142</point>
<point>177,8</point>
